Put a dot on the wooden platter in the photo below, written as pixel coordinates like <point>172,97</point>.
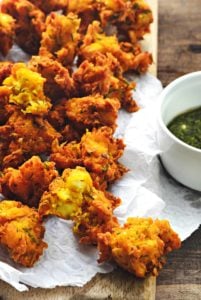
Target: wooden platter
<point>152,39</point>
<point>118,285</point>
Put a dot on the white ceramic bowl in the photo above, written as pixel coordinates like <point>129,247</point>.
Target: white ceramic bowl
<point>181,161</point>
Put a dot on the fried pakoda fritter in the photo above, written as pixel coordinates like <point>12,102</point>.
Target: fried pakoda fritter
<point>25,136</point>
<point>129,56</point>
<point>7,31</point>
<point>58,82</point>
<point>96,216</point>
<point>86,10</point>
<point>60,38</point>
<point>103,75</point>
<point>78,6</point>
<point>29,25</point>
<point>21,232</point>
<point>72,196</point>
<point>70,134</point>
<point>50,5</point>
<point>139,246</point>
<point>57,115</point>
<point>58,119</point>
<point>135,28</point>
<point>66,193</point>
<point>26,90</point>
<point>66,155</point>
<point>94,77</point>
<point>92,111</point>
<point>29,182</point>
<point>72,117</point>
<point>98,151</point>
<point>132,18</point>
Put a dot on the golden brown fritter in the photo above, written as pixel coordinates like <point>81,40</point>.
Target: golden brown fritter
<point>50,5</point>
<point>129,56</point>
<point>78,6</point>
<point>98,151</point>
<point>92,111</point>
<point>143,18</point>
<point>66,155</point>
<point>58,82</point>
<point>132,18</point>
<point>70,134</point>
<point>86,10</point>
<point>139,246</point>
<point>26,90</point>
<point>103,74</point>
<point>29,182</point>
<point>66,193</point>
<point>60,38</point>
<point>57,115</point>
<point>21,232</point>
<point>93,77</point>
<point>26,136</point>
<point>7,31</point>
<point>72,117</point>
<point>58,119</point>
<point>72,196</point>
<point>30,22</point>
<point>5,70</point>
<point>96,216</point>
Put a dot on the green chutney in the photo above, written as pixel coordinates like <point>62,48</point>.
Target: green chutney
<point>187,127</point>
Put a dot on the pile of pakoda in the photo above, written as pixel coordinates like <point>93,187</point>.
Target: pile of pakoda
<point>58,114</point>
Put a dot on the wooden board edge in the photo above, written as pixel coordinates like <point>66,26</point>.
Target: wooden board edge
<point>152,38</point>
<point>117,285</point>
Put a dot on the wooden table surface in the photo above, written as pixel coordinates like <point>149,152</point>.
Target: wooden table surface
<point>179,52</point>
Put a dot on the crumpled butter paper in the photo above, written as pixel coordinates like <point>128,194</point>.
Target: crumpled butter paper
<point>146,190</point>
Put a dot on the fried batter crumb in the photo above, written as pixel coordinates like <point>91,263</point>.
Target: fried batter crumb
<point>21,232</point>
<point>28,183</point>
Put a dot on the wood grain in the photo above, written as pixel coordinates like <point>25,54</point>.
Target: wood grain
<point>152,39</point>
<point>179,292</point>
<point>182,272</point>
<point>179,38</point>
<point>118,285</point>
<point>184,265</point>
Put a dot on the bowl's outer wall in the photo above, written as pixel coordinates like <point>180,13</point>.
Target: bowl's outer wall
<point>182,161</point>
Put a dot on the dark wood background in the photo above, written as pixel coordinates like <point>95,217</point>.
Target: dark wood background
<point>180,53</point>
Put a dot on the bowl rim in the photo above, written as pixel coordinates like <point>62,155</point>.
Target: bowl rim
<point>162,96</point>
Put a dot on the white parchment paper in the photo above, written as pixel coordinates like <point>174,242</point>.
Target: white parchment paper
<point>146,190</point>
